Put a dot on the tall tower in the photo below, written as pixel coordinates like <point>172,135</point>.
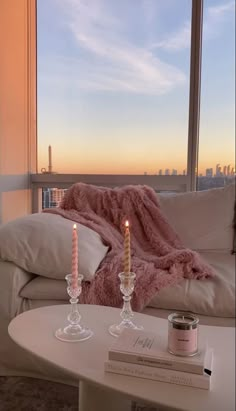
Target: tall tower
<point>218,170</point>
<point>49,169</point>
<point>49,159</point>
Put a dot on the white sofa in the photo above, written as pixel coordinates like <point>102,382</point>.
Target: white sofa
<point>32,272</point>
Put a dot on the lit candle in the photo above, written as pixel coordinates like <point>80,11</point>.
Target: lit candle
<point>127,249</point>
<point>74,256</point>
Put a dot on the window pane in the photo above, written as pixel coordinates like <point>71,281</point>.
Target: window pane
<point>217,125</point>
<point>113,85</point>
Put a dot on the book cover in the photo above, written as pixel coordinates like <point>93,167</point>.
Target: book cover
<point>202,381</point>
<point>147,348</point>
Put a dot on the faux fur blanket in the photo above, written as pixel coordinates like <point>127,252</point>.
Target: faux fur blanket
<point>157,256</point>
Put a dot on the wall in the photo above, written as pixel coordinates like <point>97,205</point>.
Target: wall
<point>18,153</point>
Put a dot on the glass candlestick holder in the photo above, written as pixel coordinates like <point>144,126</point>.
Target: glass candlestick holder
<point>127,281</point>
<point>74,331</point>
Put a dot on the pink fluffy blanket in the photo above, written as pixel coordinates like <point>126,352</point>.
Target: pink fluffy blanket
<point>157,256</point>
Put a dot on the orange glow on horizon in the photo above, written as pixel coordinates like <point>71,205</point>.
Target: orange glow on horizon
<point>137,164</point>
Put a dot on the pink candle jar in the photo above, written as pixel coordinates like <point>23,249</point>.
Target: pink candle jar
<point>183,334</point>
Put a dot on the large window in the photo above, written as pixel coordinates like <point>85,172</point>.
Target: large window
<point>217,126</point>
<point>113,85</point>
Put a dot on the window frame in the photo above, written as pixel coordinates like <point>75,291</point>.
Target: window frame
<point>159,183</point>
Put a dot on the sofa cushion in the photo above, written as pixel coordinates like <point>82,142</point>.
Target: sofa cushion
<point>42,243</point>
<point>203,219</point>
<point>211,297</point>
<point>41,288</point>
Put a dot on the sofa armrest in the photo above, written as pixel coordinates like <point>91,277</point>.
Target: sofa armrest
<point>12,280</point>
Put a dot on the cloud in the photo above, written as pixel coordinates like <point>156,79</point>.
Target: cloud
<point>220,9</point>
<point>149,11</point>
<point>216,17</point>
<point>140,77</point>
<point>112,63</point>
<point>177,41</point>
<point>213,17</point>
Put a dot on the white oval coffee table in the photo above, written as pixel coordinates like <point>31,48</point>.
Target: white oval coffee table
<point>34,331</point>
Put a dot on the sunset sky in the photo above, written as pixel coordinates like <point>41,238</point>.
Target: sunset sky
<point>113,85</point>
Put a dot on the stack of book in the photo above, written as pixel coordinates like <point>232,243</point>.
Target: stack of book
<point>144,354</point>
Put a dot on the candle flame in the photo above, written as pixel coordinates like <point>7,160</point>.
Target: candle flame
<point>74,226</point>
<point>126,223</point>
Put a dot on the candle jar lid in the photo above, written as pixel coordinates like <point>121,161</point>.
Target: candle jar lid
<point>183,321</point>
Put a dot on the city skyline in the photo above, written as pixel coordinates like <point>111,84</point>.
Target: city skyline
<point>113,85</point>
<point>220,171</point>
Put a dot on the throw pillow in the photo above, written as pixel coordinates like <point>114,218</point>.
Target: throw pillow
<point>203,219</point>
<point>42,243</point>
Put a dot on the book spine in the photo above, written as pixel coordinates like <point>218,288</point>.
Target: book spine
<point>159,374</point>
<point>156,362</point>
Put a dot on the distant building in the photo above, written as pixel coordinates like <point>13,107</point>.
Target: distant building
<point>174,172</point>
<point>205,183</point>
<point>51,197</point>
<point>57,195</point>
<point>46,198</point>
<point>160,172</point>
<point>167,172</point>
<point>218,170</point>
<point>229,170</point>
<point>209,172</point>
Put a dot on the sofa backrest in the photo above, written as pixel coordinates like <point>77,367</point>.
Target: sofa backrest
<point>204,220</point>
